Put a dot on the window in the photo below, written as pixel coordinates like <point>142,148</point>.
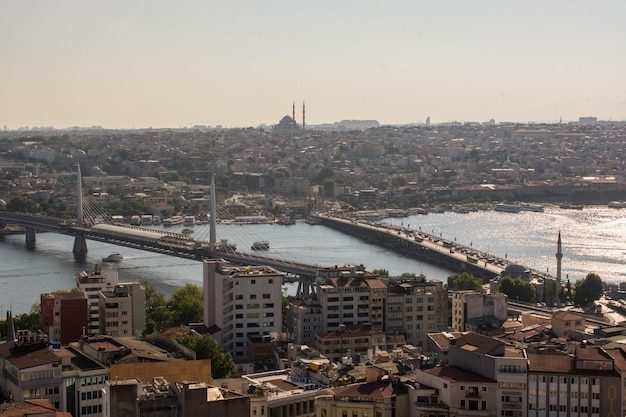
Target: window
<point>253,296</point>
<point>266,296</point>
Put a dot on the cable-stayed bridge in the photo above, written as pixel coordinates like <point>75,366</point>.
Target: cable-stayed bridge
<point>94,223</point>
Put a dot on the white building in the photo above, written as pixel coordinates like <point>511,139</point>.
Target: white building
<point>123,310</point>
<point>242,301</point>
<point>103,278</point>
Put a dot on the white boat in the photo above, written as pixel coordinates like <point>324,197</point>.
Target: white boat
<point>261,245</point>
<point>189,220</point>
<point>532,207</point>
<point>173,221</point>
<point>508,208</point>
<point>114,257</point>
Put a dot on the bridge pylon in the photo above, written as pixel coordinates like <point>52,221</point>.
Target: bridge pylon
<point>306,287</point>
<point>80,243</point>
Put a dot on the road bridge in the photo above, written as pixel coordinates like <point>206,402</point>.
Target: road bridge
<point>418,245</point>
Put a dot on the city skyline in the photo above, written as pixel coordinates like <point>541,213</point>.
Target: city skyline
<point>159,64</point>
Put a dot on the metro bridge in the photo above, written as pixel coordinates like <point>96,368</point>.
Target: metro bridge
<point>95,224</point>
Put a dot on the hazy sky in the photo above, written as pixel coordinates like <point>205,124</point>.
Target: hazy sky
<point>157,63</point>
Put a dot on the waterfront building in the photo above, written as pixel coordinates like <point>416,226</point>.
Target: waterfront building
<point>122,311</point>
<point>242,301</point>
<point>103,278</point>
<point>481,313</point>
<point>567,324</point>
<point>416,307</point>
<point>350,295</point>
<point>64,315</point>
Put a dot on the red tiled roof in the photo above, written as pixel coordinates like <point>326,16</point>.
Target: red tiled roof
<point>372,389</point>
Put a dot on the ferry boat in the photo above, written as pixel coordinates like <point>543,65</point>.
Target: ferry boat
<point>146,219</point>
<point>135,220</point>
<point>508,208</point>
<point>114,257</point>
<point>173,221</point>
<point>532,207</point>
<point>261,245</point>
<point>571,206</point>
<point>189,220</point>
<point>156,219</point>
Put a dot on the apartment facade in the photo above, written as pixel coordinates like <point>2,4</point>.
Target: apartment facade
<point>416,307</point>
<point>64,315</point>
<point>243,302</point>
<point>477,312</point>
<point>122,311</point>
<point>103,278</point>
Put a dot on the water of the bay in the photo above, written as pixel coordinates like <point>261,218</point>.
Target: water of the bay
<point>594,240</point>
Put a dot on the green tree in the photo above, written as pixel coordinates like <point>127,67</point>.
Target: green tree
<point>206,347</point>
<point>465,281</point>
<point>23,205</point>
<point>186,305</point>
<point>383,273</point>
<point>29,321</point>
<point>158,315</point>
<point>551,291</point>
<point>588,290</point>
<point>517,289</point>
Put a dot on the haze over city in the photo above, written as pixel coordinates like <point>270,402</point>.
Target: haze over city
<point>169,64</point>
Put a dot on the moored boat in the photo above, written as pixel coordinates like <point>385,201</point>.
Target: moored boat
<point>508,208</point>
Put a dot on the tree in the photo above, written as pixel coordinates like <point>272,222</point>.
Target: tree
<point>551,291</point>
<point>518,290</point>
<point>383,273</point>
<point>158,315</point>
<point>207,348</point>
<point>588,290</point>
<point>465,281</point>
<point>186,305</point>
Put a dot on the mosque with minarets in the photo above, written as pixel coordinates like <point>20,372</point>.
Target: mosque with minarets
<point>288,124</point>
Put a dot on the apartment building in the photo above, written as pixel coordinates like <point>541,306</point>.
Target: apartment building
<point>350,295</point>
<point>103,278</point>
<point>477,312</point>
<point>585,384</point>
<point>122,311</point>
<point>304,319</point>
<point>242,301</point>
<point>354,341</point>
<point>64,315</point>
<point>416,307</point>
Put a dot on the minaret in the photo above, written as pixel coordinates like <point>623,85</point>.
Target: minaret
<point>303,117</point>
<point>559,256</point>
<point>213,222</point>
<point>293,112</point>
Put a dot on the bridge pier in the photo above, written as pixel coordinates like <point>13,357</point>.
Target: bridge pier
<point>306,287</point>
<point>31,235</point>
<point>80,247</point>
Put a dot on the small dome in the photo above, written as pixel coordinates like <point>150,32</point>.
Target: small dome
<point>516,268</point>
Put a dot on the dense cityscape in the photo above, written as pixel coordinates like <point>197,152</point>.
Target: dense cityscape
<point>358,342</point>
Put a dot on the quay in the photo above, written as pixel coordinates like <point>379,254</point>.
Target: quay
<point>419,245</point>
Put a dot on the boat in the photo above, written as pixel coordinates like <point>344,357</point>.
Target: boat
<point>114,257</point>
<point>146,219</point>
<point>173,221</point>
<point>508,208</point>
<point>135,220</point>
<point>571,206</point>
<point>532,207</point>
<point>189,220</point>
<point>286,221</point>
<point>617,204</point>
<point>261,245</point>
<point>187,231</point>
<point>156,219</point>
